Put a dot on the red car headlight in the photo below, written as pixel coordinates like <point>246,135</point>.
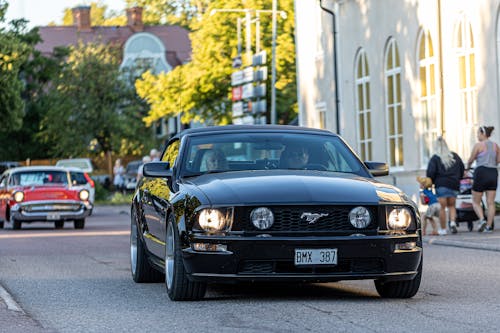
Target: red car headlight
<point>18,196</point>
<point>84,195</point>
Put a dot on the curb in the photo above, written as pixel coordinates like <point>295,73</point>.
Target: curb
<point>467,245</point>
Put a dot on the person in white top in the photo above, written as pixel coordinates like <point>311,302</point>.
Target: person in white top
<point>118,172</point>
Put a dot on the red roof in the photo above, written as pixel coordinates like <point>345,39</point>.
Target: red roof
<point>175,39</point>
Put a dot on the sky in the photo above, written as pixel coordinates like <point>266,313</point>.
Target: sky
<point>42,12</point>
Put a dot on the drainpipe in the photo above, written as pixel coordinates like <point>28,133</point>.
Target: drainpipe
<point>335,66</point>
<point>441,76</point>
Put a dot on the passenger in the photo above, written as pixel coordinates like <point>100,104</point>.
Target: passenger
<point>295,157</point>
<point>214,159</point>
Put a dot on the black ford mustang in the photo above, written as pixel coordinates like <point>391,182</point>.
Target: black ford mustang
<point>270,203</point>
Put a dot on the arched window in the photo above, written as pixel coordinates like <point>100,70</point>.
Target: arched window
<point>467,89</point>
<point>144,51</point>
<point>394,107</point>
<point>363,105</point>
<point>429,107</point>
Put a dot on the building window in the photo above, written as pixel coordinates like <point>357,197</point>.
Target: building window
<point>429,117</point>
<point>467,89</point>
<point>363,106</point>
<point>393,104</point>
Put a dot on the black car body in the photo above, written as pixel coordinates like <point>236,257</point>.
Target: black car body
<point>257,219</point>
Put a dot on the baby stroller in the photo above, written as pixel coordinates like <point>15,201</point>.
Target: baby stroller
<point>465,212</point>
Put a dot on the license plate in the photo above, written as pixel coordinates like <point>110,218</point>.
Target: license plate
<point>315,257</point>
<point>53,217</point>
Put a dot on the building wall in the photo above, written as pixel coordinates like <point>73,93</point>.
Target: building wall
<point>368,25</point>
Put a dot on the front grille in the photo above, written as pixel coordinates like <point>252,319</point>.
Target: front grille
<point>367,265</point>
<point>288,219</point>
<point>35,208</point>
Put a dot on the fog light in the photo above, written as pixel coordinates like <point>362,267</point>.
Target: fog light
<point>406,246</point>
<point>207,247</point>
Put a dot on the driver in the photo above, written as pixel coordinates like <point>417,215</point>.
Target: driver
<point>215,160</point>
<point>295,157</point>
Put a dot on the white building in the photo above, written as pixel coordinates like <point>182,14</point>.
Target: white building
<point>407,71</point>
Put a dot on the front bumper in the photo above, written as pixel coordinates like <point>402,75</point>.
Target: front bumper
<point>272,259</point>
<point>46,210</point>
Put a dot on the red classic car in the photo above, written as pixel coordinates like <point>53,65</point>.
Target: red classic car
<point>42,194</point>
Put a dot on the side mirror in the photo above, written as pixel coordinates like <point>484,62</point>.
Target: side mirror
<point>377,169</point>
<point>157,169</point>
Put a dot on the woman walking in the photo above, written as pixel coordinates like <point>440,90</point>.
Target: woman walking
<point>486,154</point>
<point>446,169</point>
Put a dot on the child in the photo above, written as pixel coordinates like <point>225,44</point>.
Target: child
<point>427,197</point>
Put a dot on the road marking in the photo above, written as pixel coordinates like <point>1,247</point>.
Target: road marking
<point>66,234</point>
<point>9,301</point>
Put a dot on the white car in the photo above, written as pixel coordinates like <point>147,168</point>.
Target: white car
<point>82,163</point>
<point>79,178</point>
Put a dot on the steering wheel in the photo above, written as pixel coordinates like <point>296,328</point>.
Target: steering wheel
<point>271,164</point>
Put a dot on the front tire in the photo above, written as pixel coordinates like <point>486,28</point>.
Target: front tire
<point>16,224</point>
<point>179,287</point>
<point>400,289</point>
<point>58,224</point>
<point>79,224</point>
<point>1,224</point>
<point>141,269</point>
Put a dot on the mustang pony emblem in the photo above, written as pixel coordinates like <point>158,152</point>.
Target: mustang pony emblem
<point>312,217</point>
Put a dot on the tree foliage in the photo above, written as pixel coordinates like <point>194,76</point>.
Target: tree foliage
<point>201,89</point>
<point>13,53</point>
<point>93,105</point>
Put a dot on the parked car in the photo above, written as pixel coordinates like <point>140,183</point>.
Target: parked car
<point>131,174</point>
<point>268,217</point>
<point>42,194</point>
<point>85,164</point>
<point>4,165</point>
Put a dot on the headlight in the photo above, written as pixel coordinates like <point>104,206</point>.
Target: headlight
<point>359,217</point>
<point>262,218</point>
<point>84,195</point>
<point>217,219</point>
<point>399,218</point>
<point>18,196</point>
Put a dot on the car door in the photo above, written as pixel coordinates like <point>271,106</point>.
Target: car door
<point>155,203</point>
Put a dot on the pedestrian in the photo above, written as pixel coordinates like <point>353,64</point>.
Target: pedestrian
<point>118,172</point>
<point>486,155</point>
<point>445,170</point>
<point>427,197</point>
<point>140,170</point>
<point>154,155</point>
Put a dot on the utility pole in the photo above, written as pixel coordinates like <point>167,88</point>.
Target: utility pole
<point>273,65</point>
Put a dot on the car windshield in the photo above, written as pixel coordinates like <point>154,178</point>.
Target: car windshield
<point>132,167</point>
<point>262,151</point>
<point>39,178</point>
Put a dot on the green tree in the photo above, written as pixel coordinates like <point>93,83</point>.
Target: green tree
<point>13,53</point>
<point>201,89</point>
<point>93,106</point>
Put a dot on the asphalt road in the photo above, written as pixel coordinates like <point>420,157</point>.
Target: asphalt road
<point>79,281</point>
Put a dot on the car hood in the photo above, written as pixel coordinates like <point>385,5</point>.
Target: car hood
<point>304,187</point>
<point>48,192</point>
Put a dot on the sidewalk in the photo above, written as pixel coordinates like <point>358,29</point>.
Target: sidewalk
<point>469,239</point>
